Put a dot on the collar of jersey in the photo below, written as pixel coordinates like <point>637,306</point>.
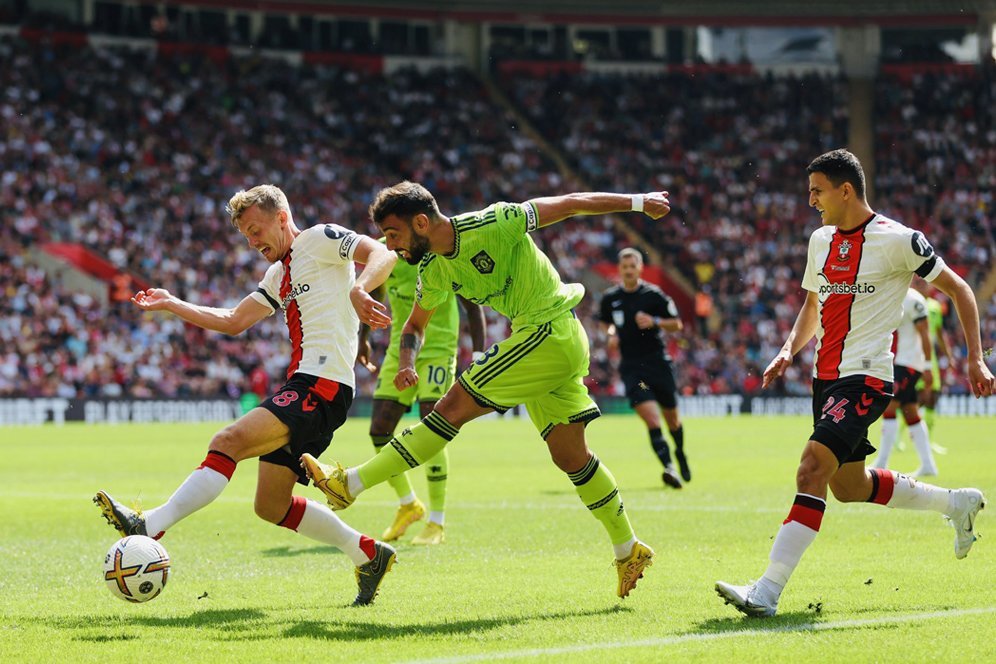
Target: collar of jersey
<point>857,229</point>
<point>456,242</point>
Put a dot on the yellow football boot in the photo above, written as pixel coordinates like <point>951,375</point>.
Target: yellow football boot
<point>432,534</point>
<point>331,480</point>
<point>631,568</point>
<point>404,517</point>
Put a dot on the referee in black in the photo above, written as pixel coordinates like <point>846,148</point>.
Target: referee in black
<point>635,313</point>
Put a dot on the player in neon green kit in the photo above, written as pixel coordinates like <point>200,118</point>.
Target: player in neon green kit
<point>935,326</point>
<point>437,364</point>
<point>489,258</point>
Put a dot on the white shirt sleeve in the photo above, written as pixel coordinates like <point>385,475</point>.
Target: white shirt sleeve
<point>918,256</point>
<point>268,293</point>
<point>336,244</point>
<point>809,281</point>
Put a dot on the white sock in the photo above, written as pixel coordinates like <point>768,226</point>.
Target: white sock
<point>353,482</point>
<point>322,524</point>
<point>439,518</point>
<point>911,494</point>
<point>796,534</point>
<point>890,428</point>
<point>200,488</point>
<point>407,499</point>
<point>921,441</point>
<point>623,550</point>
<point>791,542</point>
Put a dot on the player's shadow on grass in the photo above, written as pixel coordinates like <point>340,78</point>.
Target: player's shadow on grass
<point>365,631</point>
<point>781,622</point>
<point>289,552</point>
<point>98,628</point>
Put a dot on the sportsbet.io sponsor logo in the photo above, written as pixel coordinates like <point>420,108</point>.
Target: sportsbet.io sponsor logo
<point>826,288</point>
<point>295,292</point>
<point>846,289</point>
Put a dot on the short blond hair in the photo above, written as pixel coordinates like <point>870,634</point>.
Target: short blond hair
<point>269,198</point>
<point>628,252</point>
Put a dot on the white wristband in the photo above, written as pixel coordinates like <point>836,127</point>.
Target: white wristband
<point>476,355</point>
<point>637,202</point>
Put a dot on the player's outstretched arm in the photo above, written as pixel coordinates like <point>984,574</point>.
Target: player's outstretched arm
<point>378,262</point>
<point>412,335</point>
<point>246,313</point>
<point>802,331</point>
<point>551,209</point>
<point>979,377</point>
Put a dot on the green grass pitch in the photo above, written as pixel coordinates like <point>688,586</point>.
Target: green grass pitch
<point>525,574</point>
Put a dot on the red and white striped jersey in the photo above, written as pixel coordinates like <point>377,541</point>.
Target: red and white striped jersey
<point>909,347</point>
<point>311,284</point>
<point>861,277</point>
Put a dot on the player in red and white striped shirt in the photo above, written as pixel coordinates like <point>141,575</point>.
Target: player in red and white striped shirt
<point>859,269</point>
<point>312,280</point>
<point>914,352</point>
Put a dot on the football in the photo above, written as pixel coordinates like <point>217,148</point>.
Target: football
<point>136,568</point>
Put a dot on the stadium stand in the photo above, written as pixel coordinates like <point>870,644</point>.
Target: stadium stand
<point>141,177</point>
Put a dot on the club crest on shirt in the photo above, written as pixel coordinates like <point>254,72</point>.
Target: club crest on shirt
<point>843,249</point>
<point>484,263</point>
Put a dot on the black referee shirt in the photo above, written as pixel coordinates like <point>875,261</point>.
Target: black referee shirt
<point>619,307</point>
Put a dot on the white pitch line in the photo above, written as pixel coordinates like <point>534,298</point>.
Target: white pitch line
<point>712,636</point>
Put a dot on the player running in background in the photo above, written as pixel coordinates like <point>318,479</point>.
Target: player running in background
<point>930,391</point>
<point>489,258</point>
<point>436,364</point>
<point>312,279</point>
<point>858,271</point>
<point>913,354</point>
<point>635,313</point>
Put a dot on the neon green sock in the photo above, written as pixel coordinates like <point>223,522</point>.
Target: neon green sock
<point>400,483</point>
<point>436,470</point>
<point>928,418</point>
<point>409,450</point>
<point>598,491</point>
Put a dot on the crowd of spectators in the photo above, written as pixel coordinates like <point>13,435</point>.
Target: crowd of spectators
<point>134,155</point>
<point>731,147</point>
<point>936,170</point>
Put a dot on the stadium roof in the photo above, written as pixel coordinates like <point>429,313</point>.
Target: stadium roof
<point>681,11</point>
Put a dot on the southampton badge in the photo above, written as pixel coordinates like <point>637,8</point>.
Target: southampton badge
<point>844,248</point>
<point>484,263</point>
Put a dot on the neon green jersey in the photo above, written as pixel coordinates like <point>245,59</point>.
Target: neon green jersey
<point>935,318</point>
<point>496,264</point>
<point>443,330</point>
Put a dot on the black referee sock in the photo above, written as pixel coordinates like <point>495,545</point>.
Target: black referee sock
<point>660,446</point>
<point>678,435</point>
<point>679,452</point>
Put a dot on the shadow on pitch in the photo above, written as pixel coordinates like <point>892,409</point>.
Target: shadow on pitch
<point>102,628</point>
<point>333,630</point>
<point>781,622</point>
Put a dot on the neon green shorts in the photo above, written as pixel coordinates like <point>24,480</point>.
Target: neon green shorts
<point>541,366</point>
<point>435,377</point>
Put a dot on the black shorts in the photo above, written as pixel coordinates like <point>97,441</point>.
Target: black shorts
<point>905,381</point>
<point>843,409</point>
<point>652,380</point>
<point>312,408</point>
